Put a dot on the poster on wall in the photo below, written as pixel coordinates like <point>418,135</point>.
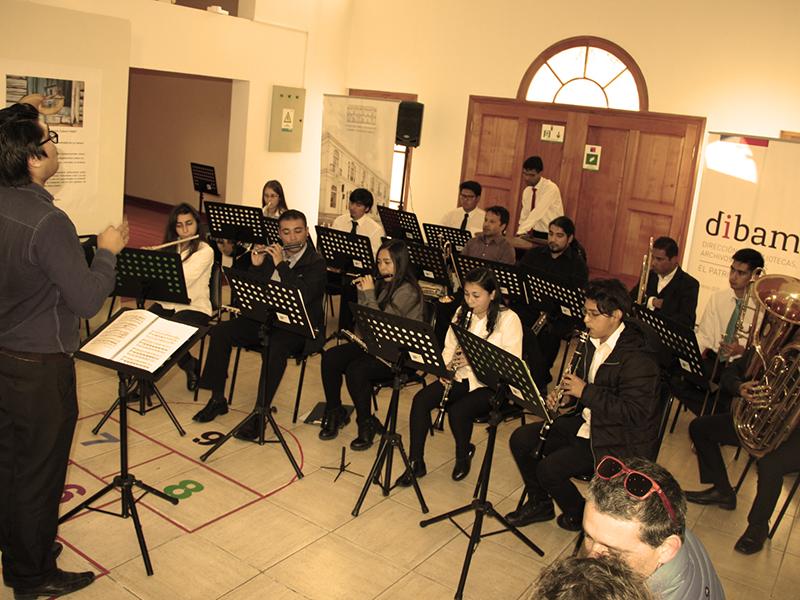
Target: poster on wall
<point>748,199</point>
<point>64,97</point>
<point>358,137</point>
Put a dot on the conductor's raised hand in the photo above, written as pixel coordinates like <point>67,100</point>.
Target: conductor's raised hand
<point>113,239</point>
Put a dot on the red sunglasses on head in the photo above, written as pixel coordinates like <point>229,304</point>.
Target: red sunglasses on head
<point>637,484</point>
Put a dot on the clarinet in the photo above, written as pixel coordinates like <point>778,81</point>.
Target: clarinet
<point>438,423</point>
<point>574,354</point>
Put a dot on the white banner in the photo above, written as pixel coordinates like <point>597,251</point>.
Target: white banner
<point>748,199</point>
<point>358,137</point>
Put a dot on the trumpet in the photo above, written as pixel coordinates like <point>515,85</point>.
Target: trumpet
<point>575,351</point>
<point>170,244</point>
<point>647,259</point>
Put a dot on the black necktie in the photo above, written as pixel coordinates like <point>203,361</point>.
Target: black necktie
<point>355,226</point>
<point>464,221</point>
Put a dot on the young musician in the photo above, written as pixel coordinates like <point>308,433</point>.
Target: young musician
<point>296,263</point>
<point>482,313</point>
<point>395,292</point>
<point>468,216</point>
<point>541,200</point>
<point>197,258</point>
<point>616,385</point>
<point>670,291</point>
<point>357,219</point>
<point>273,200</point>
<point>491,243</point>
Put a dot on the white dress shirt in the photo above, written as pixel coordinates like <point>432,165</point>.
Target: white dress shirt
<point>507,334</point>
<point>663,281</point>
<point>601,353</point>
<point>366,226</point>
<point>197,273</point>
<point>475,219</point>
<point>548,207</point>
<point>716,316</point>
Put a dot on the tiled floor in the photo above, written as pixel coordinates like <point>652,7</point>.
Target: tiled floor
<point>250,530</point>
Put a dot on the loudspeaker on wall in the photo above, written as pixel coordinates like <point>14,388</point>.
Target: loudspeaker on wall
<point>409,123</point>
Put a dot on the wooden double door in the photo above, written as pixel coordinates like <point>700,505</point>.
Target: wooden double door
<point>643,186</point>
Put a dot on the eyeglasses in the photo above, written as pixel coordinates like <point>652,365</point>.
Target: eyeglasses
<point>637,484</point>
<point>52,136</point>
<point>592,313</point>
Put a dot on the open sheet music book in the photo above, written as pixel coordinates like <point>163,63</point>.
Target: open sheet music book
<point>140,339</point>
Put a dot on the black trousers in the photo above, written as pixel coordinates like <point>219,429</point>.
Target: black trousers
<point>187,317</point>
<point>564,456</point>
<point>711,431</point>
<point>38,411</point>
<point>245,332</point>
<point>359,370</point>
<point>462,408</point>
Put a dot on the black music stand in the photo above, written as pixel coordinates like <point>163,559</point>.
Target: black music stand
<point>509,377</point>
<point>350,252</point>
<point>437,235</point>
<point>204,181</point>
<point>236,222</point>
<point>271,229</point>
<point>403,343</point>
<point>429,264</point>
<point>508,277</point>
<point>271,303</point>
<point>125,480</point>
<point>547,294</point>
<point>148,275</point>
<point>400,224</point>
<point>682,344</point>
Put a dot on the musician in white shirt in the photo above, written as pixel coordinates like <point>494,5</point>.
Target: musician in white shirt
<point>468,216</point>
<point>541,200</point>
<point>358,220</point>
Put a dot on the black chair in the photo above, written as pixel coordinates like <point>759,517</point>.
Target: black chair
<point>784,508</point>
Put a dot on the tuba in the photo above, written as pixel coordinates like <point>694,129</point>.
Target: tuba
<point>647,259</point>
<point>764,423</point>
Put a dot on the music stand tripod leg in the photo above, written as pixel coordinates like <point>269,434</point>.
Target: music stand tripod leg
<point>168,410</point>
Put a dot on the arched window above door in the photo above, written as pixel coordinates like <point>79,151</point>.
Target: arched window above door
<point>588,71</point>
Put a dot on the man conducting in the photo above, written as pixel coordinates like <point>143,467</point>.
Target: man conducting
<point>45,288</point>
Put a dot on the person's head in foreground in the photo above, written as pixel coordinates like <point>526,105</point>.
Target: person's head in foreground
<point>602,577</point>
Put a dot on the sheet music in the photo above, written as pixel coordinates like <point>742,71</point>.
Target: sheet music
<point>140,339</point>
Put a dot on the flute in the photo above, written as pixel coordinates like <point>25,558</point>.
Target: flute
<point>288,247</point>
<point>378,277</point>
<point>170,244</point>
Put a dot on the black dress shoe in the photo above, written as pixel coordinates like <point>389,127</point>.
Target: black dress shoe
<point>57,548</point>
<point>59,584</point>
<point>366,434</point>
<point>192,378</point>
<point>214,408</point>
<point>332,422</point>
<point>751,541</point>
<point>418,466</point>
<point>726,500</point>
<point>569,522</point>
<point>249,431</point>
<point>462,466</point>
<point>532,512</point>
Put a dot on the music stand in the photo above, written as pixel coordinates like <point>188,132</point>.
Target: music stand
<point>438,234</point>
<point>148,275</point>
<point>271,303</point>
<point>125,480</point>
<point>271,230</point>
<point>508,277</point>
<point>400,224</point>
<point>429,264</point>
<point>682,344</point>
<point>509,377</point>
<point>350,252</point>
<point>548,294</point>
<point>236,222</point>
<point>403,343</point>
<point>204,181</point>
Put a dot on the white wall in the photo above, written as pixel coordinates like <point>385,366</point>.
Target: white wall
<point>310,53</point>
<point>737,63</point>
<point>43,36</point>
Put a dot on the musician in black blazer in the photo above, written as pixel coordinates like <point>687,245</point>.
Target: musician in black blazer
<point>297,264</point>
<point>670,292</point>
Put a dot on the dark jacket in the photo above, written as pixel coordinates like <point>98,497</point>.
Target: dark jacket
<point>624,398</point>
<point>309,275</point>
<point>568,268</point>
<point>45,283</point>
<point>679,296</point>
